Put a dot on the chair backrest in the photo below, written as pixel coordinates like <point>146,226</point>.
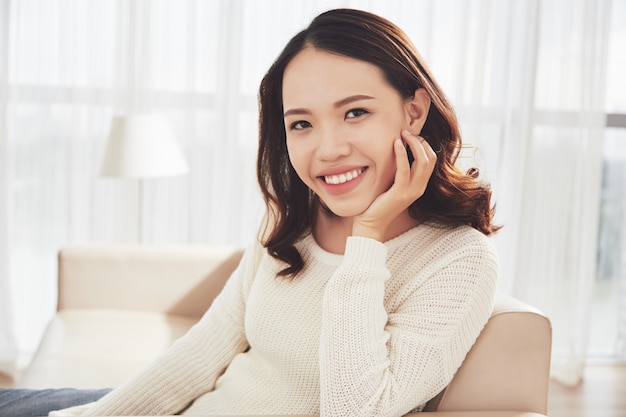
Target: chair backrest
<point>178,279</point>
<point>507,368</point>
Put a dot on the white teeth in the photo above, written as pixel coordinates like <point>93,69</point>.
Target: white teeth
<point>340,179</point>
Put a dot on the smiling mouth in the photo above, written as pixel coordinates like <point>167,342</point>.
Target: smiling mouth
<point>343,178</point>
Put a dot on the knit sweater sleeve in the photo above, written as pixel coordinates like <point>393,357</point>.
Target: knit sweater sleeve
<point>191,366</point>
<point>379,363</point>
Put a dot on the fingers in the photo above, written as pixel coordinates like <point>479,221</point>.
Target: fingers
<point>424,163</point>
<point>403,167</point>
<point>419,147</point>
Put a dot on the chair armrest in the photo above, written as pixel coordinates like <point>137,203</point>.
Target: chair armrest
<point>507,368</point>
<point>479,414</point>
<point>181,280</point>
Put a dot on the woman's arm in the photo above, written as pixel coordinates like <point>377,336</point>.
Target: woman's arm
<point>375,363</point>
<point>191,366</point>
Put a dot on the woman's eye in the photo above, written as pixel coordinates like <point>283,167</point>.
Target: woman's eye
<point>299,125</point>
<point>355,113</point>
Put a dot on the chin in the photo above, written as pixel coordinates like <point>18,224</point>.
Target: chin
<point>338,210</point>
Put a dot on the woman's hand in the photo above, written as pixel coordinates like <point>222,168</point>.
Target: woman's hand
<point>409,184</point>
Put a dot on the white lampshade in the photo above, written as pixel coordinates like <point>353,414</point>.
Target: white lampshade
<point>142,146</point>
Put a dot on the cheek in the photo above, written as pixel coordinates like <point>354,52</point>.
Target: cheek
<point>389,169</point>
<point>384,131</point>
<point>383,154</point>
<point>379,145</point>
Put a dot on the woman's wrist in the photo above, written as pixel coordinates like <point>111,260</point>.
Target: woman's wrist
<point>364,255</point>
<point>372,232</point>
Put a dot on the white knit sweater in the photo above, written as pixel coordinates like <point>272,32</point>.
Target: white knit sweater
<point>377,331</point>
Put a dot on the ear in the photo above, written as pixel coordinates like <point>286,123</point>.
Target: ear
<point>417,110</point>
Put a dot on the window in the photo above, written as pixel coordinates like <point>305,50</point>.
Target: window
<point>607,339</point>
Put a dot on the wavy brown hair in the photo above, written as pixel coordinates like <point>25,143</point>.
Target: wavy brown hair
<point>452,197</point>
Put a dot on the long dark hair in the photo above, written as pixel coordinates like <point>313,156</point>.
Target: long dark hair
<point>451,197</point>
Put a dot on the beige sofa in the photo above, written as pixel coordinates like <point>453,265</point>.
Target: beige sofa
<point>120,306</point>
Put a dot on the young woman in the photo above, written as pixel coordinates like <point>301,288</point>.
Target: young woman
<point>373,275</point>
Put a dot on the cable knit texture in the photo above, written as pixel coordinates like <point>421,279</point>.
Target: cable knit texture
<point>377,331</point>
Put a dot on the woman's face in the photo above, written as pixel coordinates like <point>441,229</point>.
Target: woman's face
<point>341,119</point>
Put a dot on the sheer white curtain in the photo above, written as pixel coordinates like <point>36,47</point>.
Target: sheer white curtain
<point>525,76</point>
<point>558,222</point>
<point>8,343</point>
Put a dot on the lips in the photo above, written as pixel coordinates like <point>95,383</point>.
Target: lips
<point>340,181</point>
<point>343,177</point>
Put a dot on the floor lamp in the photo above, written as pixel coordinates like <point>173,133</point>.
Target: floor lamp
<point>139,147</point>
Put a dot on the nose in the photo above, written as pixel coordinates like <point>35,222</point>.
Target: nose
<point>332,144</point>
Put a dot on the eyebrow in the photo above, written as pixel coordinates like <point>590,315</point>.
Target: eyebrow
<point>336,105</point>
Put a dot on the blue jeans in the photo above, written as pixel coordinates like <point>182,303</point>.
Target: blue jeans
<point>30,403</point>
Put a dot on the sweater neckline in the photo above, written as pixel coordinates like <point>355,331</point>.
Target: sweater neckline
<point>334,258</point>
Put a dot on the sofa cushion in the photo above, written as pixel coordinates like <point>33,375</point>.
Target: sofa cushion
<point>99,348</point>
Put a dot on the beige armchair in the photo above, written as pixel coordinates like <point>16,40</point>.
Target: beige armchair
<point>507,369</point>
<point>121,306</point>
